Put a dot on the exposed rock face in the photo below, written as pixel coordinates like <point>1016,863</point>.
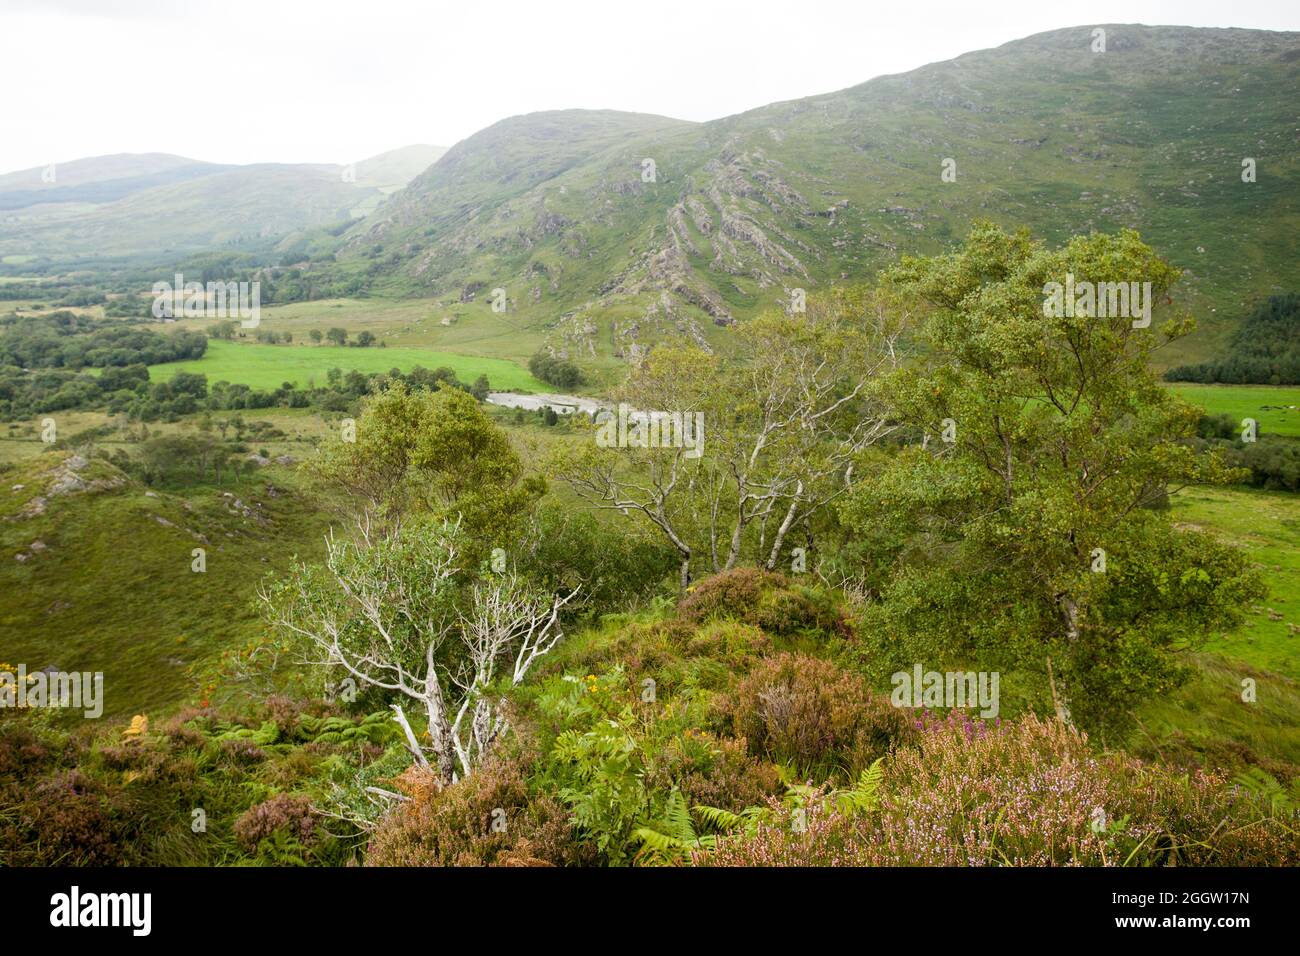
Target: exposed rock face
<point>73,475</point>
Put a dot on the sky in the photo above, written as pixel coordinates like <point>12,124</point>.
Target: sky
<point>335,81</point>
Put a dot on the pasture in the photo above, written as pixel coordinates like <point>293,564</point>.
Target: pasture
<point>1276,409</point>
<point>268,366</point>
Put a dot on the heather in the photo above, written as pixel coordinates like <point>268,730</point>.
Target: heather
<point>1029,793</point>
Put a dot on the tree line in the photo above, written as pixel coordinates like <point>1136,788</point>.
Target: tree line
<point>1265,350</point>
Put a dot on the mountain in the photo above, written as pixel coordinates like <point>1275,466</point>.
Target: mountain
<point>389,172</point>
<point>392,170</point>
<point>97,180</point>
<point>1045,133</point>
<point>155,206</point>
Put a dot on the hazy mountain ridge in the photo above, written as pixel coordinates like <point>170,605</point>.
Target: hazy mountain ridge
<point>99,179</point>
<point>156,205</point>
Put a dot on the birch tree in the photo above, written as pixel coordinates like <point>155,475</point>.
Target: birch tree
<point>657,484</point>
<point>401,614</point>
<point>783,422</point>
<point>418,453</point>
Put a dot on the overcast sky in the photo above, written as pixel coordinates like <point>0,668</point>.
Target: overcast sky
<point>338,80</point>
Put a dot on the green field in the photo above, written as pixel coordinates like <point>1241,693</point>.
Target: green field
<point>1266,525</point>
<point>268,366</point>
<point>1267,404</point>
<point>1206,719</point>
<point>447,325</point>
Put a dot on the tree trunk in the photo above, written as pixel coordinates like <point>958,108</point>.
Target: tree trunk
<point>439,726</point>
<point>784,528</point>
<point>1062,711</point>
<point>413,745</point>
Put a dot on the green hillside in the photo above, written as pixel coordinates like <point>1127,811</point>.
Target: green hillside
<point>98,572</point>
<point>1044,133</point>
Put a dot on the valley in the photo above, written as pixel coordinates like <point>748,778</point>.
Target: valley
<point>365,578</point>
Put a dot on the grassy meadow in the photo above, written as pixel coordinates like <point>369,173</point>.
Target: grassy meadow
<point>1207,716</point>
<point>1266,525</point>
<point>106,584</point>
<point>1276,409</point>
<point>268,366</point>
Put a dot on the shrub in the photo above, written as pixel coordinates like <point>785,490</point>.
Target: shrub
<point>732,643</point>
<point>240,752</point>
<point>733,780</point>
<point>70,821</point>
<point>288,813</point>
<point>453,826</point>
<point>555,371</point>
<point>1031,793</point>
<point>764,599</point>
<point>672,652</point>
<point>733,593</point>
<point>797,609</point>
<point>797,708</point>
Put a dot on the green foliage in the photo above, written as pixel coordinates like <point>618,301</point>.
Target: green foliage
<point>562,547</point>
<point>68,340</point>
<point>433,453</point>
<point>1024,539</point>
<point>1265,349</point>
<point>555,371</point>
<point>608,795</point>
<point>614,747</point>
<point>768,600</point>
<point>45,362</point>
<point>1270,462</point>
<point>257,779</point>
<point>1280,804</point>
<point>671,839</point>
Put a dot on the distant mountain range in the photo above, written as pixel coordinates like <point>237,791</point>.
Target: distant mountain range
<point>155,205</point>
<point>564,211</point>
<point>609,231</point>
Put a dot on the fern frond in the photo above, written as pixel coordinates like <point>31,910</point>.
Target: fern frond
<point>721,819</point>
<point>678,818</point>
